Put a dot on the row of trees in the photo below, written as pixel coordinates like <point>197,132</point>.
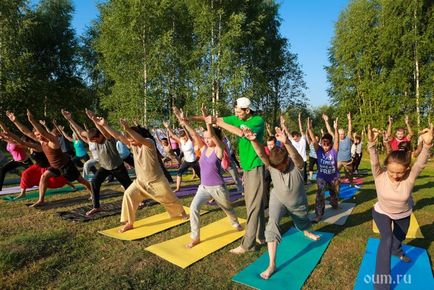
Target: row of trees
<point>39,59</point>
<point>141,57</point>
<point>382,62</point>
<point>156,54</point>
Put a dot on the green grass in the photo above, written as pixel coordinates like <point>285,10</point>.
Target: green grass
<point>40,250</point>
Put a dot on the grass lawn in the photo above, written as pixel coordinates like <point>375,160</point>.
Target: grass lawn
<point>40,250</point>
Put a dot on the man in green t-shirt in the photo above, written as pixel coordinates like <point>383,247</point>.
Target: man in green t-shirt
<point>253,170</point>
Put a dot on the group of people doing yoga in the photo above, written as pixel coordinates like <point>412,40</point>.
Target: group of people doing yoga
<point>281,161</point>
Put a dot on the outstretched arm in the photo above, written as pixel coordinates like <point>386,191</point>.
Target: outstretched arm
<point>101,122</point>
<point>389,126</point>
<point>336,136</point>
<point>350,127</point>
<point>258,147</point>
<point>300,126</point>
<point>50,137</point>
<point>375,164</point>
<point>32,145</point>
<point>184,122</point>
<point>134,135</point>
<point>91,115</point>
<point>75,127</point>
<point>311,134</point>
<point>326,121</point>
<point>170,133</point>
<point>293,153</point>
<point>26,131</point>
<point>410,131</point>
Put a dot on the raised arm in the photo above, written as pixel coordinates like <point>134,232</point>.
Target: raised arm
<point>268,127</point>
<point>375,164</point>
<point>311,134</point>
<point>184,122</point>
<point>419,165</point>
<point>258,147</point>
<point>170,133</point>
<point>75,127</point>
<point>410,131</point>
<point>389,126</point>
<point>26,131</point>
<point>134,135</point>
<point>50,137</point>
<point>326,121</point>
<point>283,126</point>
<point>386,142</point>
<point>91,115</point>
<point>232,129</point>
<point>300,126</point>
<point>44,123</point>
<point>220,146</point>
<point>350,127</point>
<point>336,136</point>
<point>61,129</point>
<point>101,122</point>
<point>293,153</point>
<point>22,143</point>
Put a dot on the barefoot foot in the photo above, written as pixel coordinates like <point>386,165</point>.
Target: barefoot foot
<point>93,211</point>
<point>267,273</point>
<point>238,250</point>
<point>38,203</point>
<point>184,216</point>
<point>311,236</point>
<point>238,227</point>
<point>126,227</point>
<point>192,243</point>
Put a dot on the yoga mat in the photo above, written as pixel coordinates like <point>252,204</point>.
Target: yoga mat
<point>79,214</point>
<point>414,275</point>
<point>345,191</point>
<point>296,258</point>
<point>35,194</point>
<point>15,189</point>
<point>336,216</point>
<point>413,230</point>
<point>213,237</point>
<point>147,227</point>
<point>356,180</point>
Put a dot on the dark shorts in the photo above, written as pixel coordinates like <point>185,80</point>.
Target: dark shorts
<point>69,171</point>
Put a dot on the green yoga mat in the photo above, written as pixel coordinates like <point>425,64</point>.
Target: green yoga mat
<point>296,258</point>
<point>35,194</point>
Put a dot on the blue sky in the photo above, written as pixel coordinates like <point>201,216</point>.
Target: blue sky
<point>307,24</point>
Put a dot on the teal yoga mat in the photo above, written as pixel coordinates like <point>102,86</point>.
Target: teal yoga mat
<point>35,194</point>
<point>297,256</point>
<point>414,275</point>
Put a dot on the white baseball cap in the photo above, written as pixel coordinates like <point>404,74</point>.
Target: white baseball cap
<point>244,103</point>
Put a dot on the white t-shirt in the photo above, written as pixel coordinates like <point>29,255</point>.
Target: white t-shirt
<point>188,149</point>
<point>301,147</point>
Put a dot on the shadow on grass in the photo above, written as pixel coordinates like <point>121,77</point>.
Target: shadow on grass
<point>105,194</point>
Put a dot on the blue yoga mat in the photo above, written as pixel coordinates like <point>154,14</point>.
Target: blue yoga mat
<point>345,191</point>
<point>297,256</point>
<point>414,275</point>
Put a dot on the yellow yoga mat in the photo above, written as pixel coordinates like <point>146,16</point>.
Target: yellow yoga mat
<point>147,227</point>
<point>413,230</point>
<point>213,237</point>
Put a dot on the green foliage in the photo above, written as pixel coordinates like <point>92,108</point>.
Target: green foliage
<point>381,62</point>
<point>185,53</point>
<point>39,53</point>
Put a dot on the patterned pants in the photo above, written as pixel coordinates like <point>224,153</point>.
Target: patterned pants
<point>323,186</point>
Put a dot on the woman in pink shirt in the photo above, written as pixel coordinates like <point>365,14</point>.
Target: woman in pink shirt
<point>394,185</point>
<point>19,156</point>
